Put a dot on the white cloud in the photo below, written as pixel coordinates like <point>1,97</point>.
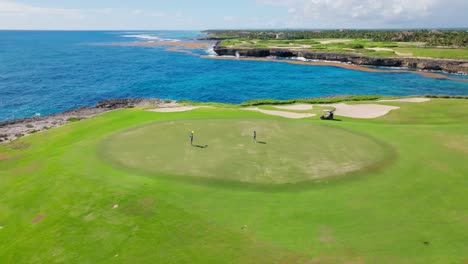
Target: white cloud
<point>292,10</point>
<point>140,12</point>
<point>137,12</point>
<point>229,18</point>
<point>361,12</point>
<point>11,9</point>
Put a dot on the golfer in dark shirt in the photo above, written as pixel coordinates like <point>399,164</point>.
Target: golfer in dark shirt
<point>255,135</point>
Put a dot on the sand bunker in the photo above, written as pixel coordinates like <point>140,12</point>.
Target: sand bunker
<point>281,113</point>
<point>298,107</point>
<point>408,100</point>
<point>362,110</point>
<point>335,41</point>
<point>174,109</point>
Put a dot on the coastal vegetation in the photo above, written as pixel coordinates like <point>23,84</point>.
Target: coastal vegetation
<point>432,38</point>
<point>385,190</point>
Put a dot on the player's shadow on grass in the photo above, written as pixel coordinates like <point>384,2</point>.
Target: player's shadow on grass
<point>261,142</point>
<point>199,146</point>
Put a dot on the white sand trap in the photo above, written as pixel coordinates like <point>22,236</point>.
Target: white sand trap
<point>335,41</point>
<point>281,113</point>
<point>380,49</point>
<point>408,100</point>
<point>299,107</point>
<point>174,109</point>
<point>362,110</point>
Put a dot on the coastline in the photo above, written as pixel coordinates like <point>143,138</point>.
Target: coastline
<point>427,64</point>
<point>12,130</point>
<point>285,55</point>
<point>340,65</point>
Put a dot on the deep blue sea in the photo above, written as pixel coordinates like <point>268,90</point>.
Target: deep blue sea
<point>44,72</point>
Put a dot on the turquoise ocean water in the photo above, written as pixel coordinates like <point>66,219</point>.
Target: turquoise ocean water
<point>44,72</point>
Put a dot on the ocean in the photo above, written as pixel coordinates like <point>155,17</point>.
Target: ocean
<point>45,72</point>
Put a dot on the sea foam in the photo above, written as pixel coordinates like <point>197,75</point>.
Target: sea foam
<point>149,37</point>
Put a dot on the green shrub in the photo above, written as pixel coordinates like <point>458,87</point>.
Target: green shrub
<point>357,46</point>
<point>73,119</point>
<point>318,100</point>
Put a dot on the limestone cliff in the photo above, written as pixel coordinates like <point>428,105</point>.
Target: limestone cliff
<point>452,66</point>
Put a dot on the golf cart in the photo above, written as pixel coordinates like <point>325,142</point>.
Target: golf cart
<point>327,115</point>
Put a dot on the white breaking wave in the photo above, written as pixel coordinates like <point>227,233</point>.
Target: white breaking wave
<point>210,51</point>
<point>149,37</point>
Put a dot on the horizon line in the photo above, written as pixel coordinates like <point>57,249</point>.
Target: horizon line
<point>254,29</point>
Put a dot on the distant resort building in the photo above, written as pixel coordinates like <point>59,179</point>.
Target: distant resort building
<point>281,35</point>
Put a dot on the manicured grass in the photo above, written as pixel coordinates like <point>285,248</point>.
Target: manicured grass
<point>59,193</point>
<point>443,53</point>
<point>285,151</point>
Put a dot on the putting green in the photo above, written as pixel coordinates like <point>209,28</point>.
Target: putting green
<point>285,151</point>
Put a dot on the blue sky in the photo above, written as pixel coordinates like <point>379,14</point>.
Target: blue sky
<point>209,14</point>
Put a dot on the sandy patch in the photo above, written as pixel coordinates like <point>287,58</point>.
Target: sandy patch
<point>298,107</point>
<point>362,110</point>
<point>281,113</point>
<point>402,54</point>
<point>174,109</point>
<point>3,156</point>
<point>335,41</point>
<point>407,100</point>
<point>38,218</point>
<point>174,49</point>
<point>381,49</point>
<point>290,47</point>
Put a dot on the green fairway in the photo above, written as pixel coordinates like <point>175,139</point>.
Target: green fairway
<point>285,152</point>
<point>127,187</point>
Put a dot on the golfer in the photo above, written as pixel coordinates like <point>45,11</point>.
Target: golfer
<point>255,135</point>
<point>191,137</point>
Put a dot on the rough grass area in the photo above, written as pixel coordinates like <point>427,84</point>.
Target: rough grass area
<point>61,202</point>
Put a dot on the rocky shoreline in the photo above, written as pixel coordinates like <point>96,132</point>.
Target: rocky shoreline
<point>427,64</point>
<point>14,129</point>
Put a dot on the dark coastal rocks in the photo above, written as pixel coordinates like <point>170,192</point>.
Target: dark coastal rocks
<point>452,66</point>
<point>127,102</point>
<point>13,129</point>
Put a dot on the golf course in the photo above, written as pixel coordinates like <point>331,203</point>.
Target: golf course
<point>127,186</point>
